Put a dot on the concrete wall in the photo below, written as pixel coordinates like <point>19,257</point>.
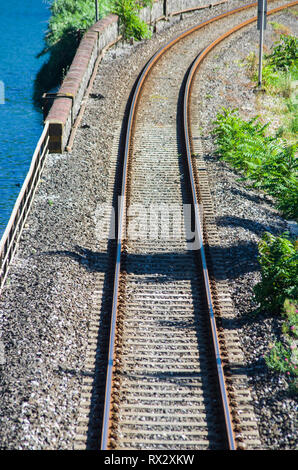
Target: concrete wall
<point>103,34</point>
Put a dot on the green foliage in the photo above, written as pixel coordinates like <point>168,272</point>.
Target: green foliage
<point>283,356</point>
<point>278,289</point>
<point>279,76</point>
<point>131,24</point>
<point>280,359</point>
<point>68,16</point>
<point>68,22</point>
<point>280,67</point>
<point>293,387</point>
<point>145,3</point>
<point>69,19</point>
<point>285,53</point>
<point>277,82</point>
<point>266,161</point>
<point>290,313</point>
<point>278,258</point>
<point>285,87</point>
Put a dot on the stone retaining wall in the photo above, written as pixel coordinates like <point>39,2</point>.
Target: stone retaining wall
<point>101,35</point>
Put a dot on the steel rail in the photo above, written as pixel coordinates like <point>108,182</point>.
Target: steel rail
<point>198,226</point>
<point>121,211</point>
<point>201,250</point>
<point>121,214</point>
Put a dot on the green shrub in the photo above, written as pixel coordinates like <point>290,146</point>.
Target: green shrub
<point>68,22</point>
<point>285,53</point>
<point>279,77</point>
<point>131,25</point>
<point>290,325</point>
<point>280,359</point>
<point>69,16</point>
<point>283,356</point>
<point>278,258</point>
<point>280,67</point>
<point>266,161</point>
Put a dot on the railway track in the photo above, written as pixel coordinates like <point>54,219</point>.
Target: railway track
<point>170,379</point>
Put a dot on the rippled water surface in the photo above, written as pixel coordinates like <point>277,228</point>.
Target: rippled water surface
<point>22,26</point>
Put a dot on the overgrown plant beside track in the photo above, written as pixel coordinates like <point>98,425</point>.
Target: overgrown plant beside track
<point>266,161</point>
<point>283,355</point>
<point>285,54</point>
<point>278,258</point>
<point>271,165</point>
<point>279,79</point>
<point>131,25</point>
<point>277,294</point>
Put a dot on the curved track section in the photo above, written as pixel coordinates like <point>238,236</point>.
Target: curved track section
<point>166,381</point>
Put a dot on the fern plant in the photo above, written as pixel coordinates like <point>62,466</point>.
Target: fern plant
<point>266,161</point>
<point>285,53</point>
<point>278,258</point>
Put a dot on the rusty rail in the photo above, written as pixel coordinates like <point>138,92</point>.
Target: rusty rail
<point>142,78</point>
<point>132,111</point>
<point>194,68</point>
<point>14,228</point>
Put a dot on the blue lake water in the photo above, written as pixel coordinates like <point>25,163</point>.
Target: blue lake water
<point>22,27</point>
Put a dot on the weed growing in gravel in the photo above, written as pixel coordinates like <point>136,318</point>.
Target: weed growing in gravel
<point>285,53</point>
<point>275,165</point>
<point>278,258</point>
<point>279,79</point>
<point>290,313</point>
<point>277,292</point>
<point>266,161</point>
<point>280,360</point>
<point>283,356</point>
<point>279,28</point>
<point>283,60</point>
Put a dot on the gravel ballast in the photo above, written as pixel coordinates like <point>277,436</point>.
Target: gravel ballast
<point>47,306</point>
<point>242,216</point>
